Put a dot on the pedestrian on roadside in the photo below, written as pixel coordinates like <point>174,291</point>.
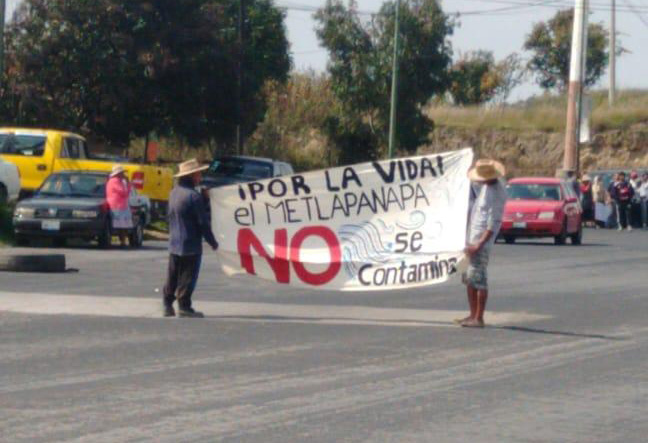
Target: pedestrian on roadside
<point>573,182</point>
<point>643,197</point>
<point>600,197</point>
<point>621,193</point>
<point>612,203</point>
<point>635,204</point>
<point>118,190</point>
<point>587,200</point>
<point>188,226</point>
<point>634,181</point>
<point>484,222</point>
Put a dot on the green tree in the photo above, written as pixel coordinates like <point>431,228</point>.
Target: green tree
<point>477,78</point>
<point>122,69</point>
<point>360,69</point>
<point>550,44</point>
<point>71,65</point>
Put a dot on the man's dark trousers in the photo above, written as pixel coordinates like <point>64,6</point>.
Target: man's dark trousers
<point>623,212</point>
<point>181,279</point>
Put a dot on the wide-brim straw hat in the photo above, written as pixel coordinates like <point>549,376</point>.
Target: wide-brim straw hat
<point>189,167</point>
<point>116,170</point>
<point>486,170</point>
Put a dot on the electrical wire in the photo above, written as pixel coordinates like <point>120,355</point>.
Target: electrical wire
<point>636,12</point>
<point>511,6</point>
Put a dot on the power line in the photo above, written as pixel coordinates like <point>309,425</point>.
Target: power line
<point>636,12</point>
<point>597,6</point>
<point>511,7</point>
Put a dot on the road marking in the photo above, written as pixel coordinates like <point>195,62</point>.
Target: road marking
<point>106,306</point>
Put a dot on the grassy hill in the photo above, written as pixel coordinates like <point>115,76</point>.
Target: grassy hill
<point>546,113</point>
<point>529,136</point>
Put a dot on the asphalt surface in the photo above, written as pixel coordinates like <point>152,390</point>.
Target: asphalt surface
<point>564,360</point>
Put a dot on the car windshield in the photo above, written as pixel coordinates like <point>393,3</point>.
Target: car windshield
<point>240,168</point>
<point>525,191</point>
<point>74,185</point>
<point>27,145</point>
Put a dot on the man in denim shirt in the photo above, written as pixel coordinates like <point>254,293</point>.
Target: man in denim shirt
<point>188,225</point>
<point>484,222</point>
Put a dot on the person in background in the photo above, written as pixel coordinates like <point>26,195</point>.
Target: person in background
<point>573,182</point>
<point>643,198</point>
<point>634,180</point>
<point>613,206</point>
<point>587,200</point>
<point>188,225</point>
<point>635,204</point>
<point>600,197</point>
<point>621,193</point>
<point>484,222</point>
<point>118,191</point>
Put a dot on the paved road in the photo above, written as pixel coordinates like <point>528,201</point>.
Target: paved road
<point>84,358</point>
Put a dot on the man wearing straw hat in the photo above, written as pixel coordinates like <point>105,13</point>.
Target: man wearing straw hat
<point>485,219</point>
<point>188,225</point>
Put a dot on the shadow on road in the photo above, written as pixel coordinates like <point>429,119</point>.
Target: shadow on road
<point>405,322</point>
<point>562,333</point>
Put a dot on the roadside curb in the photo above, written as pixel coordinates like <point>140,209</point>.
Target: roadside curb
<point>32,263</point>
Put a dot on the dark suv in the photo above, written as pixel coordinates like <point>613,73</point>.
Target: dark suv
<point>239,169</point>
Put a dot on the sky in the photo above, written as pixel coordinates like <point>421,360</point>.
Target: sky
<point>502,32</point>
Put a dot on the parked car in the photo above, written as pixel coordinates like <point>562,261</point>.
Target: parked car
<point>141,204</point>
<point>238,169</point>
<point>72,204</point>
<point>40,152</point>
<point>542,207</point>
<point>9,182</point>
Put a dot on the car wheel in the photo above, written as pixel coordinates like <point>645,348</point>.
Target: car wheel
<point>136,238</point>
<point>562,237</point>
<point>509,240</point>
<point>105,238</point>
<point>60,242</point>
<point>4,195</point>
<point>577,238</point>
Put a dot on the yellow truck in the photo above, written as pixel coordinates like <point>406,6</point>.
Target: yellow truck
<point>39,152</point>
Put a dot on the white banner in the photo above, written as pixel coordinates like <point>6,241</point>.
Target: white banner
<point>391,224</point>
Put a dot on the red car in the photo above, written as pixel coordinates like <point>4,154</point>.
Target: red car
<point>542,207</point>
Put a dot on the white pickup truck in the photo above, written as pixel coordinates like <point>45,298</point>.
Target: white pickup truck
<point>9,182</point>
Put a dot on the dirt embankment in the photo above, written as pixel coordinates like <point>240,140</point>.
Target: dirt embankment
<point>541,153</point>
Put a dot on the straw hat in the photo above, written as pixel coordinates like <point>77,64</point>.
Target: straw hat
<point>586,178</point>
<point>189,167</point>
<point>117,169</point>
<point>486,170</point>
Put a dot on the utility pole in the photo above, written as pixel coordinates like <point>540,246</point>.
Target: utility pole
<point>612,87</point>
<point>576,76</point>
<point>394,87</point>
<point>2,44</point>
<point>239,80</point>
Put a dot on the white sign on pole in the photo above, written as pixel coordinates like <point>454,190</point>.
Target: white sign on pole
<point>585,131</point>
<point>374,226</point>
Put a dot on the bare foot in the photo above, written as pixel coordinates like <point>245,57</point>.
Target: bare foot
<point>473,323</point>
<point>459,321</point>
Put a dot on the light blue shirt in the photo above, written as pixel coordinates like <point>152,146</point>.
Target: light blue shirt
<point>487,210</point>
